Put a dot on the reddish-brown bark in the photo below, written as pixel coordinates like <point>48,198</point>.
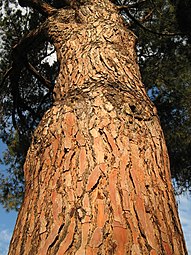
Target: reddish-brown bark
<point>97,172</point>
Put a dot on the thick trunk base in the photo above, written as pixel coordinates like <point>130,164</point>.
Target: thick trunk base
<point>97,182</point>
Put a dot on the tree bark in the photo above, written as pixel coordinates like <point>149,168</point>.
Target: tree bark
<point>97,172</point>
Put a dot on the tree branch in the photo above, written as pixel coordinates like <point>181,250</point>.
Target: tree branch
<point>29,42</point>
<point>19,60</point>
<point>20,50</point>
<point>39,5</point>
<point>130,6</point>
<point>40,77</point>
<point>8,72</point>
<point>147,29</point>
<point>146,17</point>
<point>19,56</point>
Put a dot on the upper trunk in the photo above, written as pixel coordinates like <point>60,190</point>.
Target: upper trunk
<point>97,172</point>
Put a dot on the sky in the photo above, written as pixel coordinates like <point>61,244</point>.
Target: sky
<point>184,208</point>
<point>8,219</point>
<point>7,222</point>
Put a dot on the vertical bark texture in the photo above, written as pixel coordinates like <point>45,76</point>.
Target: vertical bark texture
<point>97,172</point>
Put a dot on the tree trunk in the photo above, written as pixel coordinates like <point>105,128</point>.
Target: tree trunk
<point>97,172</point>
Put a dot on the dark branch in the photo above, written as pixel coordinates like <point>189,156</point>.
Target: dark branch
<point>146,17</point>
<point>19,54</point>
<point>39,5</point>
<point>130,6</point>
<point>29,42</point>
<point>8,72</point>
<point>40,77</point>
<point>19,61</point>
<point>147,29</point>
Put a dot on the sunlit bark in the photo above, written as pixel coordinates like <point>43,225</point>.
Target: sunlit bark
<point>97,172</point>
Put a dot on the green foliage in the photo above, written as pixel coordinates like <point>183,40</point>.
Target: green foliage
<point>166,71</point>
<point>165,67</point>
<point>12,183</point>
<point>34,99</point>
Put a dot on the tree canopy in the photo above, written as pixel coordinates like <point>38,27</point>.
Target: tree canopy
<point>164,51</point>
